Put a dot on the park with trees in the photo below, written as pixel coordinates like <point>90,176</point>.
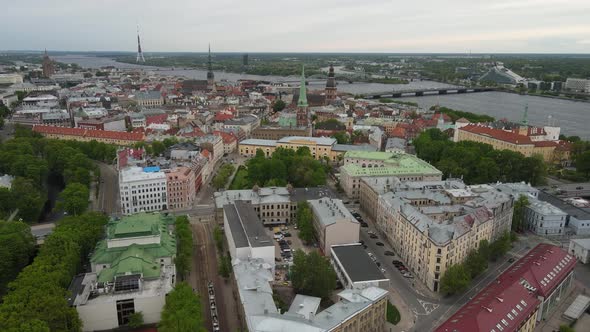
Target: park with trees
<point>41,166</point>
<point>284,166</point>
<point>478,162</point>
<point>36,300</point>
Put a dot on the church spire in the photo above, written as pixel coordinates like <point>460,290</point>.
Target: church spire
<point>302,101</point>
<point>210,75</point>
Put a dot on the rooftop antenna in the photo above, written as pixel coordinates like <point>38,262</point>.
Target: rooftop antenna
<point>139,51</point>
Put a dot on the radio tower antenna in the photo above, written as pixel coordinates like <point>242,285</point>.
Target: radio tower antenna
<point>139,52</point>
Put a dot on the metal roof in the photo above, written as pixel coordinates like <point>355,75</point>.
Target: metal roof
<point>356,263</point>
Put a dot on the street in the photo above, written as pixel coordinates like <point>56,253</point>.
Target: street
<point>108,193</point>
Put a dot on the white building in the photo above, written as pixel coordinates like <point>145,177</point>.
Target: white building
<point>6,181</point>
<point>41,101</point>
<point>132,271</point>
<point>333,223</point>
<point>10,78</point>
<point>580,248</point>
<point>245,234</point>
<point>577,85</point>
<point>543,218</point>
<point>142,189</point>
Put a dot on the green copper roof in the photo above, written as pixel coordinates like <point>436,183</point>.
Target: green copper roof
<point>394,165</point>
<point>134,260</point>
<point>302,101</point>
<point>137,225</point>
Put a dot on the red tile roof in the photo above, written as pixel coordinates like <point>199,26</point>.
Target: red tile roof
<point>98,134</point>
<point>221,116</point>
<point>516,290</point>
<point>541,144</point>
<point>498,134</point>
<point>160,118</point>
<point>227,137</point>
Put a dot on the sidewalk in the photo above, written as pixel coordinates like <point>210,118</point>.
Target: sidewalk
<point>407,316</point>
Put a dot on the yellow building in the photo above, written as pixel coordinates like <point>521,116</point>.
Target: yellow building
<point>433,225</point>
<point>551,151</point>
<point>87,135</point>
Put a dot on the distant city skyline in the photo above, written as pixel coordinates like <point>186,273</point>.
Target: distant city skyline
<point>372,26</point>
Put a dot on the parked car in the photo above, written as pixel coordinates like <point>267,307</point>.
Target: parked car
<point>408,275</point>
<point>382,270</point>
<point>287,234</point>
<point>379,244</point>
<point>364,224</point>
<point>373,236</point>
<point>378,264</point>
<point>511,260</point>
<point>362,242</point>
<point>389,253</point>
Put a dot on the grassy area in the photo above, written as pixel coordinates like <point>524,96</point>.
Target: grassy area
<point>393,315</point>
<point>240,180</point>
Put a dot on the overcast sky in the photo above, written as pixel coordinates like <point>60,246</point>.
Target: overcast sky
<point>487,26</point>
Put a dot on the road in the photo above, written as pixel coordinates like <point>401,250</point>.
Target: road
<point>108,193</point>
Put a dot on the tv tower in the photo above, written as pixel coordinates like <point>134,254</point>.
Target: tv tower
<point>139,52</point>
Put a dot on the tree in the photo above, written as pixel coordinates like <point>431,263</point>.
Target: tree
<point>304,222</point>
<point>74,199</point>
<point>456,279</point>
<point>518,214</point>
<point>484,249</point>
<point>341,137</point>
<point>218,237</point>
<point>500,247</point>
<point>157,148</point>
<point>184,247</point>
<point>312,274</point>
<point>182,311</point>
<point>583,163</point>
<point>475,263</point>
<point>278,105</point>
<point>28,199</point>
<point>225,267</point>
<point>135,320</point>
<point>36,301</point>
<point>566,328</point>
<point>17,247</point>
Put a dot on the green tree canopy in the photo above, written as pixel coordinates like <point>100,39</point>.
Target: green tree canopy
<point>278,105</point>
<point>74,199</point>
<point>518,213</point>
<point>341,137</point>
<point>305,222</point>
<point>184,246</point>
<point>17,247</point>
<point>456,279</point>
<point>312,274</point>
<point>182,311</point>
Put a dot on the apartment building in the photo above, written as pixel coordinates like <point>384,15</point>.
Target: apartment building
<point>333,223</point>
<point>437,225</point>
<point>142,189</point>
<point>132,270</point>
<point>523,295</point>
<point>405,167</point>
<point>214,144</point>
<point>542,218</point>
<point>356,310</point>
<point>180,182</point>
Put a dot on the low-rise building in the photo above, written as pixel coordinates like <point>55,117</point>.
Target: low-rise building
<point>142,189</point>
<point>245,234</point>
<point>132,271</point>
<point>405,167</point>
<point>580,248</point>
<point>523,295</point>
<point>577,84</point>
<point>542,218</point>
<point>435,226</point>
<point>355,268</point>
<point>356,310</point>
<point>333,223</point>
<point>276,133</point>
<point>274,205</point>
<point>246,123</point>
<point>11,78</point>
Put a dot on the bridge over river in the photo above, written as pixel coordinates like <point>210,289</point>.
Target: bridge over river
<point>425,92</point>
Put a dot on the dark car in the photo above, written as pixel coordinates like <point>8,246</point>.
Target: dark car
<point>380,244</point>
<point>362,242</point>
<point>389,253</point>
<point>580,188</point>
<point>396,262</point>
<point>287,234</point>
<point>511,260</point>
<point>373,236</point>
<point>378,264</point>
<point>364,224</point>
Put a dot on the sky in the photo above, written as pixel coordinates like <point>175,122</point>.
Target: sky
<point>388,26</point>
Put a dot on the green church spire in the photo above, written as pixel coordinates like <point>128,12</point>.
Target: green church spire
<point>302,101</point>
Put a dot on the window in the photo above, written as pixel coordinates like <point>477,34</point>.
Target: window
<point>125,308</point>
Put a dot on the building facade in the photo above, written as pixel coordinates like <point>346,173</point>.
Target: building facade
<point>180,182</point>
<point>405,167</point>
<point>142,190</point>
<point>544,219</point>
<point>333,223</point>
<point>437,224</point>
<point>87,135</point>
<point>580,248</point>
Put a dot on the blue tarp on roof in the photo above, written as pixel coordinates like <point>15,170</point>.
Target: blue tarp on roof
<point>151,169</point>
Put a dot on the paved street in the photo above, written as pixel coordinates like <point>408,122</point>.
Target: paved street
<point>108,194</point>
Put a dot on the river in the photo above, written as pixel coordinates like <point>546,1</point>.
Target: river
<point>571,116</point>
